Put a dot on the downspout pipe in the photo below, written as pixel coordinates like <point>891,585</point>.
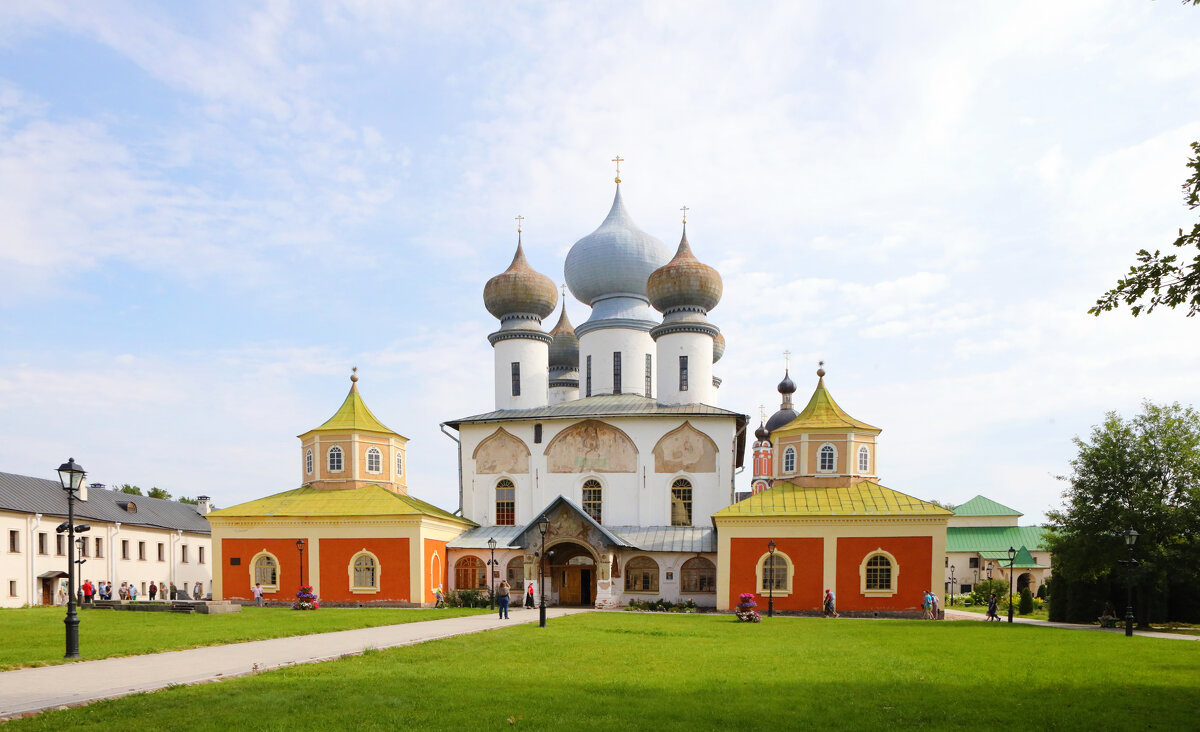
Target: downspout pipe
<point>460,476</point>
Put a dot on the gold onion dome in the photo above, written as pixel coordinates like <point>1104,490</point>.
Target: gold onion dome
<point>520,289</point>
<point>684,283</point>
<point>718,347</point>
<point>564,346</point>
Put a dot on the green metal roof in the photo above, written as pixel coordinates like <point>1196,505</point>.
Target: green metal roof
<point>371,500</point>
<point>1023,560</point>
<point>980,506</point>
<point>862,499</point>
<point>353,415</point>
<point>823,412</point>
<point>994,538</point>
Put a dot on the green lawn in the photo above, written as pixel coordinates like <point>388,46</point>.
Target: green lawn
<point>1043,614</point>
<point>105,633</point>
<point>617,671</point>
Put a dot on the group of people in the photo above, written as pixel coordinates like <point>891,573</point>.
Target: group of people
<point>503,593</point>
<point>89,593</point>
<point>931,605</point>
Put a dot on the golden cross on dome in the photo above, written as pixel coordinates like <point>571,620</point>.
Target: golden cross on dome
<point>354,374</point>
<point>685,209</point>
<point>786,354</point>
<point>564,290</point>
<point>762,413</point>
<point>618,160</point>
<point>519,219</point>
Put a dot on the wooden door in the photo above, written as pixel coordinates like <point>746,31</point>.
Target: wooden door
<point>47,592</point>
<point>585,586</point>
<point>570,593</point>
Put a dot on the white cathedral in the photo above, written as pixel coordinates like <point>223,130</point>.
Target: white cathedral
<point>608,430</point>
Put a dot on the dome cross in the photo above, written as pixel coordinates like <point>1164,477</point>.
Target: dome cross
<point>786,359</point>
<point>618,160</point>
<point>685,209</point>
<point>519,219</point>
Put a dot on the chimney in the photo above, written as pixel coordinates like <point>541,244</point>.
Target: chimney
<point>203,504</point>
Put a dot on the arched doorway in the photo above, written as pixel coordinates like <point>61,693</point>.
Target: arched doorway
<point>572,570</point>
<point>1023,580</point>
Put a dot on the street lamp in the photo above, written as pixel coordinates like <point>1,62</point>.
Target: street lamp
<point>492,570</point>
<point>1130,539</point>
<point>71,475</point>
<point>300,548</point>
<point>1012,557</point>
<point>953,579</point>
<point>543,524</point>
<point>771,586</point>
<point>989,571</point>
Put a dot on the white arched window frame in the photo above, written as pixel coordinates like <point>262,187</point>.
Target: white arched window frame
<point>506,502</point>
<point>308,462</point>
<point>399,463</point>
<point>698,575</point>
<point>783,563</point>
<point>789,460</point>
<point>827,458</point>
<point>374,460</point>
<point>335,462</point>
<point>365,571</point>
<point>592,494</point>
<point>876,579</point>
<point>864,459</point>
<point>265,570</point>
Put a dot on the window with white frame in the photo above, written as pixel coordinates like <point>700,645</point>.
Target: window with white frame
<point>774,572</point>
<point>593,502</point>
<point>681,502</point>
<point>864,459</point>
<point>789,460</point>
<point>308,462</point>
<point>469,574</point>
<point>364,572</point>
<point>266,572</point>
<point>641,575</point>
<point>515,572</point>
<point>826,459</point>
<point>506,503</point>
<point>879,574</point>
<point>374,460</point>
<point>399,463</point>
<point>335,459</point>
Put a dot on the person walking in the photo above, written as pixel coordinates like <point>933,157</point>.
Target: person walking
<point>936,604</point>
<point>132,592</point>
<point>926,603</point>
<point>991,613</point>
<point>830,604</point>
<point>153,591</point>
<point>502,597</point>
<point>258,594</point>
<point>529,596</point>
<point>88,590</point>
<point>440,597</point>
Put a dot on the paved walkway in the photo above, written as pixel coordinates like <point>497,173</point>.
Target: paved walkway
<point>963,615</point>
<point>36,689</point>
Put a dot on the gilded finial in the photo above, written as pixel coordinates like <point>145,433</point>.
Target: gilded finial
<point>564,291</point>
<point>786,359</point>
<point>685,209</point>
<point>820,369</point>
<point>519,220</point>
<point>618,160</point>
<point>354,375</point>
<point>762,413</point>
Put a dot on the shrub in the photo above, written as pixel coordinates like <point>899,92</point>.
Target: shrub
<point>1026,605</point>
<point>1041,593</point>
<point>467,598</point>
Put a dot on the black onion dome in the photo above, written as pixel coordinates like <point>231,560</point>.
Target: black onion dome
<point>781,418</point>
<point>520,289</point>
<point>762,433</point>
<point>787,386</point>
<point>564,346</point>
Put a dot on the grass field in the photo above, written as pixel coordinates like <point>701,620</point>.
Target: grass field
<point>615,671</point>
<point>106,633</point>
<point>1043,614</point>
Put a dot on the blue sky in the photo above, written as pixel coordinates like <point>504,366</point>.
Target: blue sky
<point>211,212</point>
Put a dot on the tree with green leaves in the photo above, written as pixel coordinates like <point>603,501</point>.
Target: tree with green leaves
<point>186,499</point>
<point>1144,474</point>
<point>132,490</point>
<point>1164,279</point>
<point>157,492</point>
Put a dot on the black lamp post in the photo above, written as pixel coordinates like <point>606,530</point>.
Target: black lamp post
<point>1012,558</point>
<point>492,570</point>
<point>71,475</point>
<point>543,524</point>
<point>300,548</point>
<point>989,571</point>
<point>771,586</point>
<point>953,579</point>
<point>1130,539</point>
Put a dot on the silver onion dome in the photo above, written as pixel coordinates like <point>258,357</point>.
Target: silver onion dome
<point>614,262</point>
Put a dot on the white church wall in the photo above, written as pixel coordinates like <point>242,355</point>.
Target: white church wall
<point>698,348</point>
<point>534,359</point>
<point>633,346</point>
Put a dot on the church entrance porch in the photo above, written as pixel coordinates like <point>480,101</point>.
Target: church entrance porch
<point>572,570</point>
